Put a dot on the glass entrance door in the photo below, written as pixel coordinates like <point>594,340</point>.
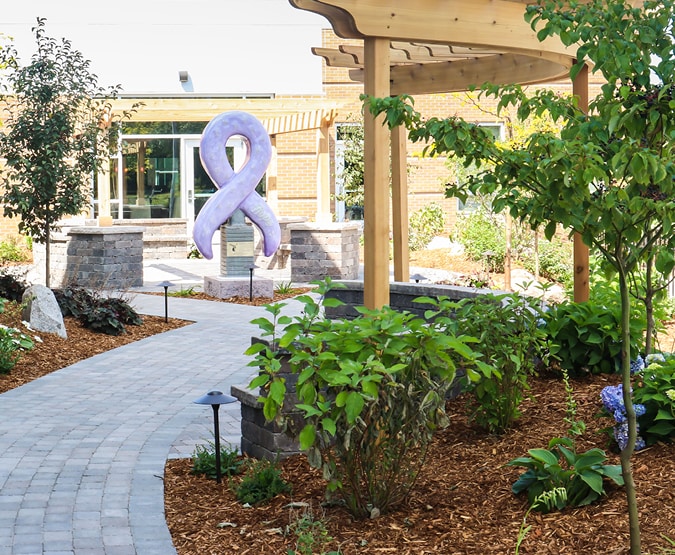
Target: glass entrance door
<point>198,184</point>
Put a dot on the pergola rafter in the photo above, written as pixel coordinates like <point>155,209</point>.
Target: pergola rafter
<point>425,47</point>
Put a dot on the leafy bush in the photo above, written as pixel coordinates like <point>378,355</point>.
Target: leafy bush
<point>372,390</point>
<point>480,232</point>
<point>425,224</point>
<point>107,315</point>
<point>262,482</point>
<point>511,344</point>
<point>204,461</point>
<point>555,260</point>
<point>12,251</point>
<point>655,390</point>
<point>12,344</point>
<point>11,287</point>
<point>586,337</point>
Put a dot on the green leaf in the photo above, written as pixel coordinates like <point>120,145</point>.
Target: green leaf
<point>354,406</point>
<point>543,455</point>
<point>307,437</point>
<point>593,479</point>
<point>328,424</point>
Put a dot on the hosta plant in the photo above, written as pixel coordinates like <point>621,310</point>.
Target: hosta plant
<point>559,466</point>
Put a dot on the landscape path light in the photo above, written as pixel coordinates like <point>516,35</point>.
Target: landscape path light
<point>250,283</point>
<point>417,277</point>
<point>215,399</point>
<point>166,285</point>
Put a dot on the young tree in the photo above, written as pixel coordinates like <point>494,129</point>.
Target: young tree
<point>58,132</point>
<point>610,175</point>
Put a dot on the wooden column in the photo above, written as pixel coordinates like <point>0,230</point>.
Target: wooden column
<point>323,214</point>
<point>399,202</point>
<point>376,178</point>
<point>103,192</point>
<point>272,195</point>
<point>581,254</point>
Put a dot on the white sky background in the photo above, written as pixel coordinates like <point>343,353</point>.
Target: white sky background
<point>226,46</point>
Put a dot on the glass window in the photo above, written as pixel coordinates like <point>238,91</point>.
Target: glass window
<point>151,185</point>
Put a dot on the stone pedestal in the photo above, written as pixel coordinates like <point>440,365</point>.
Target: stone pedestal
<point>96,257</point>
<point>320,250</point>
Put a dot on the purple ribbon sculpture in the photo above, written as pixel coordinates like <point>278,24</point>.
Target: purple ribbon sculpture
<point>236,190</point>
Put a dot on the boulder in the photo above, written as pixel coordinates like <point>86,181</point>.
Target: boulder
<point>42,311</point>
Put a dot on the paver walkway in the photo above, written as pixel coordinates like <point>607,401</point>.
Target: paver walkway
<point>82,450</point>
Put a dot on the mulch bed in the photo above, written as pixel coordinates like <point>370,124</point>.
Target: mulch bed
<point>462,503</point>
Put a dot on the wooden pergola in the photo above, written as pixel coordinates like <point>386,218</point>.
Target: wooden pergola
<point>424,47</point>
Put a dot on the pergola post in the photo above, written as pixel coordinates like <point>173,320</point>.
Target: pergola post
<point>103,190</point>
<point>323,213</point>
<point>581,252</point>
<point>399,201</point>
<point>376,178</point>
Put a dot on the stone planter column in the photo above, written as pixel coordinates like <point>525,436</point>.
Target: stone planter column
<point>328,249</point>
<point>103,257</point>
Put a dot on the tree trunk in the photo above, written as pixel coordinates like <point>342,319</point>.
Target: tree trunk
<point>649,305</point>
<point>47,255</point>
<point>626,454</point>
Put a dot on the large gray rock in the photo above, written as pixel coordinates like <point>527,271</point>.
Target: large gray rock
<point>42,311</point>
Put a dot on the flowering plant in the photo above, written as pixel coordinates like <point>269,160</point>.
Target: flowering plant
<point>655,389</point>
<point>653,399</point>
<point>612,401</point>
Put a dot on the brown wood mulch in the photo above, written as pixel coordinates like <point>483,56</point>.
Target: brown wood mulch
<point>462,503</point>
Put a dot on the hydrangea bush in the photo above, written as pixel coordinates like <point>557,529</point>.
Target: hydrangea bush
<point>653,397</point>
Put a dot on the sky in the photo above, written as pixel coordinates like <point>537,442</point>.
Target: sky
<point>226,46</point>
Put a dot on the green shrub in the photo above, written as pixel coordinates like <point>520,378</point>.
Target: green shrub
<point>480,233</point>
<point>262,482</point>
<point>425,224</point>
<point>204,461</point>
<point>107,315</point>
<point>555,261</point>
<point>12,251</point>
<point>511,343</point>
<point>655,389</point>
<point>586,337</point>
<point>372,391</point>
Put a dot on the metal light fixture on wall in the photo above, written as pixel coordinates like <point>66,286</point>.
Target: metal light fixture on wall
<point>183,76</point>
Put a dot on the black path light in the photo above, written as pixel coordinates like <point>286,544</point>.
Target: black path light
<point>250,283</point>
<point>417,277</point>
<point>215,399</point>
<point>166,285</point>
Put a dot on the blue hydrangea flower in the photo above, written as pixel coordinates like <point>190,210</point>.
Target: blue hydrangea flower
<point>637,365</point>
<point>621,436</point>
<point>612,398</point>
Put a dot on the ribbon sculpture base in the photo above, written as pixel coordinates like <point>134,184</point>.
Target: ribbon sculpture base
<point>227,287</point>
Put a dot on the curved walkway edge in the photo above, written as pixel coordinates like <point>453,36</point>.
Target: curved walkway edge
<point>82,450</point>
